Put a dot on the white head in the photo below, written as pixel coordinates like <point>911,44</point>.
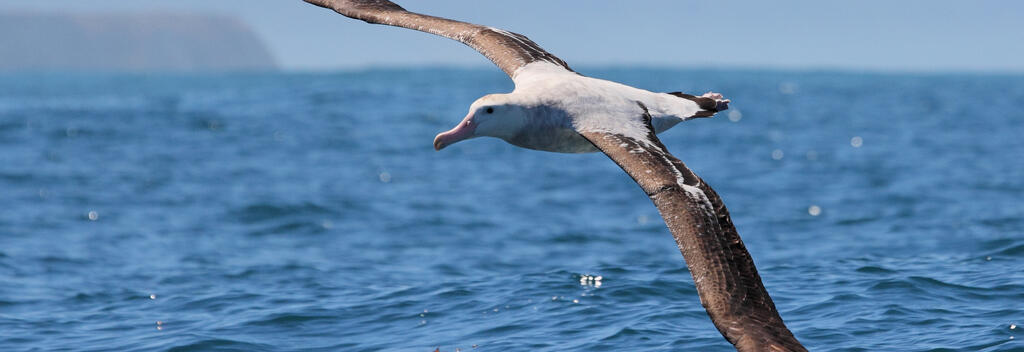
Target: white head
<point>493,115</point>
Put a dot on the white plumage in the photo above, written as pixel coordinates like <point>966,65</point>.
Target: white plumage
<point>555,109</point>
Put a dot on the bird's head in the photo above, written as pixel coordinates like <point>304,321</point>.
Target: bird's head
<point>494,115</point>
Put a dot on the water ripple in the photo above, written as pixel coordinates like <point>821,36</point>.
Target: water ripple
<point>256,212</point>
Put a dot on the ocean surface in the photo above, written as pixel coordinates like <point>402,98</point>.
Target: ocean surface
<point>309,212</point>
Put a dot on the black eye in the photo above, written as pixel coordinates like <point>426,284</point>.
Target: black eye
<point>489,110</point>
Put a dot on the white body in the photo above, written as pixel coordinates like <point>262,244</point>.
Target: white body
<point>551,105</point>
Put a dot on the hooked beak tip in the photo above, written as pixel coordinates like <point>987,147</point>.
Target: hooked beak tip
<point>464,130</point>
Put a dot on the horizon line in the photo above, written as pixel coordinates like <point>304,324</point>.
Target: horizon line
<point>594,67</point>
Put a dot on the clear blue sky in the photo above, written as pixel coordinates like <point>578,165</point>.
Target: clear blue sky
<point>936,35</point>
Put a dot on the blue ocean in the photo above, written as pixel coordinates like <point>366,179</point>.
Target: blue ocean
<point>309,212</point>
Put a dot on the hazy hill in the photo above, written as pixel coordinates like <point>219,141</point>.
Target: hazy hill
<point>129,42</point>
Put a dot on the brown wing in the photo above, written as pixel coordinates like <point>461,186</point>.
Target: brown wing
<point>723,271</point>
<point>508,50</point>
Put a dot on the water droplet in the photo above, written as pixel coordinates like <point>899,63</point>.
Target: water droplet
<point>93,215</point>
<point>385,177</point>
<point>814,210</point>
<point>588,280</point>
<point>777,154</point>
<point>735,115</point>
<point>856,141</point>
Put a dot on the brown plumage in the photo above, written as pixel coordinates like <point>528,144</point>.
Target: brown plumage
<point>723,271</point>
<point>727,281</point>
<point>509,51</point>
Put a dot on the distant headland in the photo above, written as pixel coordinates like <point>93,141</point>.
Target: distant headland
<point>147,42</point>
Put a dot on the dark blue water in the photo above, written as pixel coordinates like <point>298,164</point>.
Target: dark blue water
<point>309,212</point>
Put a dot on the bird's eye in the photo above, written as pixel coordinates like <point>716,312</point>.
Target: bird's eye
<point>489,110</point>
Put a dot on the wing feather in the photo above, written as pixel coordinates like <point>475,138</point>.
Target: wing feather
<point>509,51</point>
<point>724,273</point>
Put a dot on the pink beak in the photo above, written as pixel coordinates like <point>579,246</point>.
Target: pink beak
<point>464,130</point>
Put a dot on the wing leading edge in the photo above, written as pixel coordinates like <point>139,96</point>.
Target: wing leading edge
<point>724,273</point>
<point>509,51</point>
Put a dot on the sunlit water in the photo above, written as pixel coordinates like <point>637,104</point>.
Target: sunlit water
<point>309,212</point>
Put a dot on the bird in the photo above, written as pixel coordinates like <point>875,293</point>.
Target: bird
<point>554,108</point>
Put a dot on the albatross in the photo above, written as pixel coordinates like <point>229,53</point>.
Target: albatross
<point>556,109</point>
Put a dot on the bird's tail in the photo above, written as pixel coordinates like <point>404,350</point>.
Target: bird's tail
<point>708,104</point>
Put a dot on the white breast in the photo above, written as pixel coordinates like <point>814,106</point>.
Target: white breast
<point>563,103</point>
